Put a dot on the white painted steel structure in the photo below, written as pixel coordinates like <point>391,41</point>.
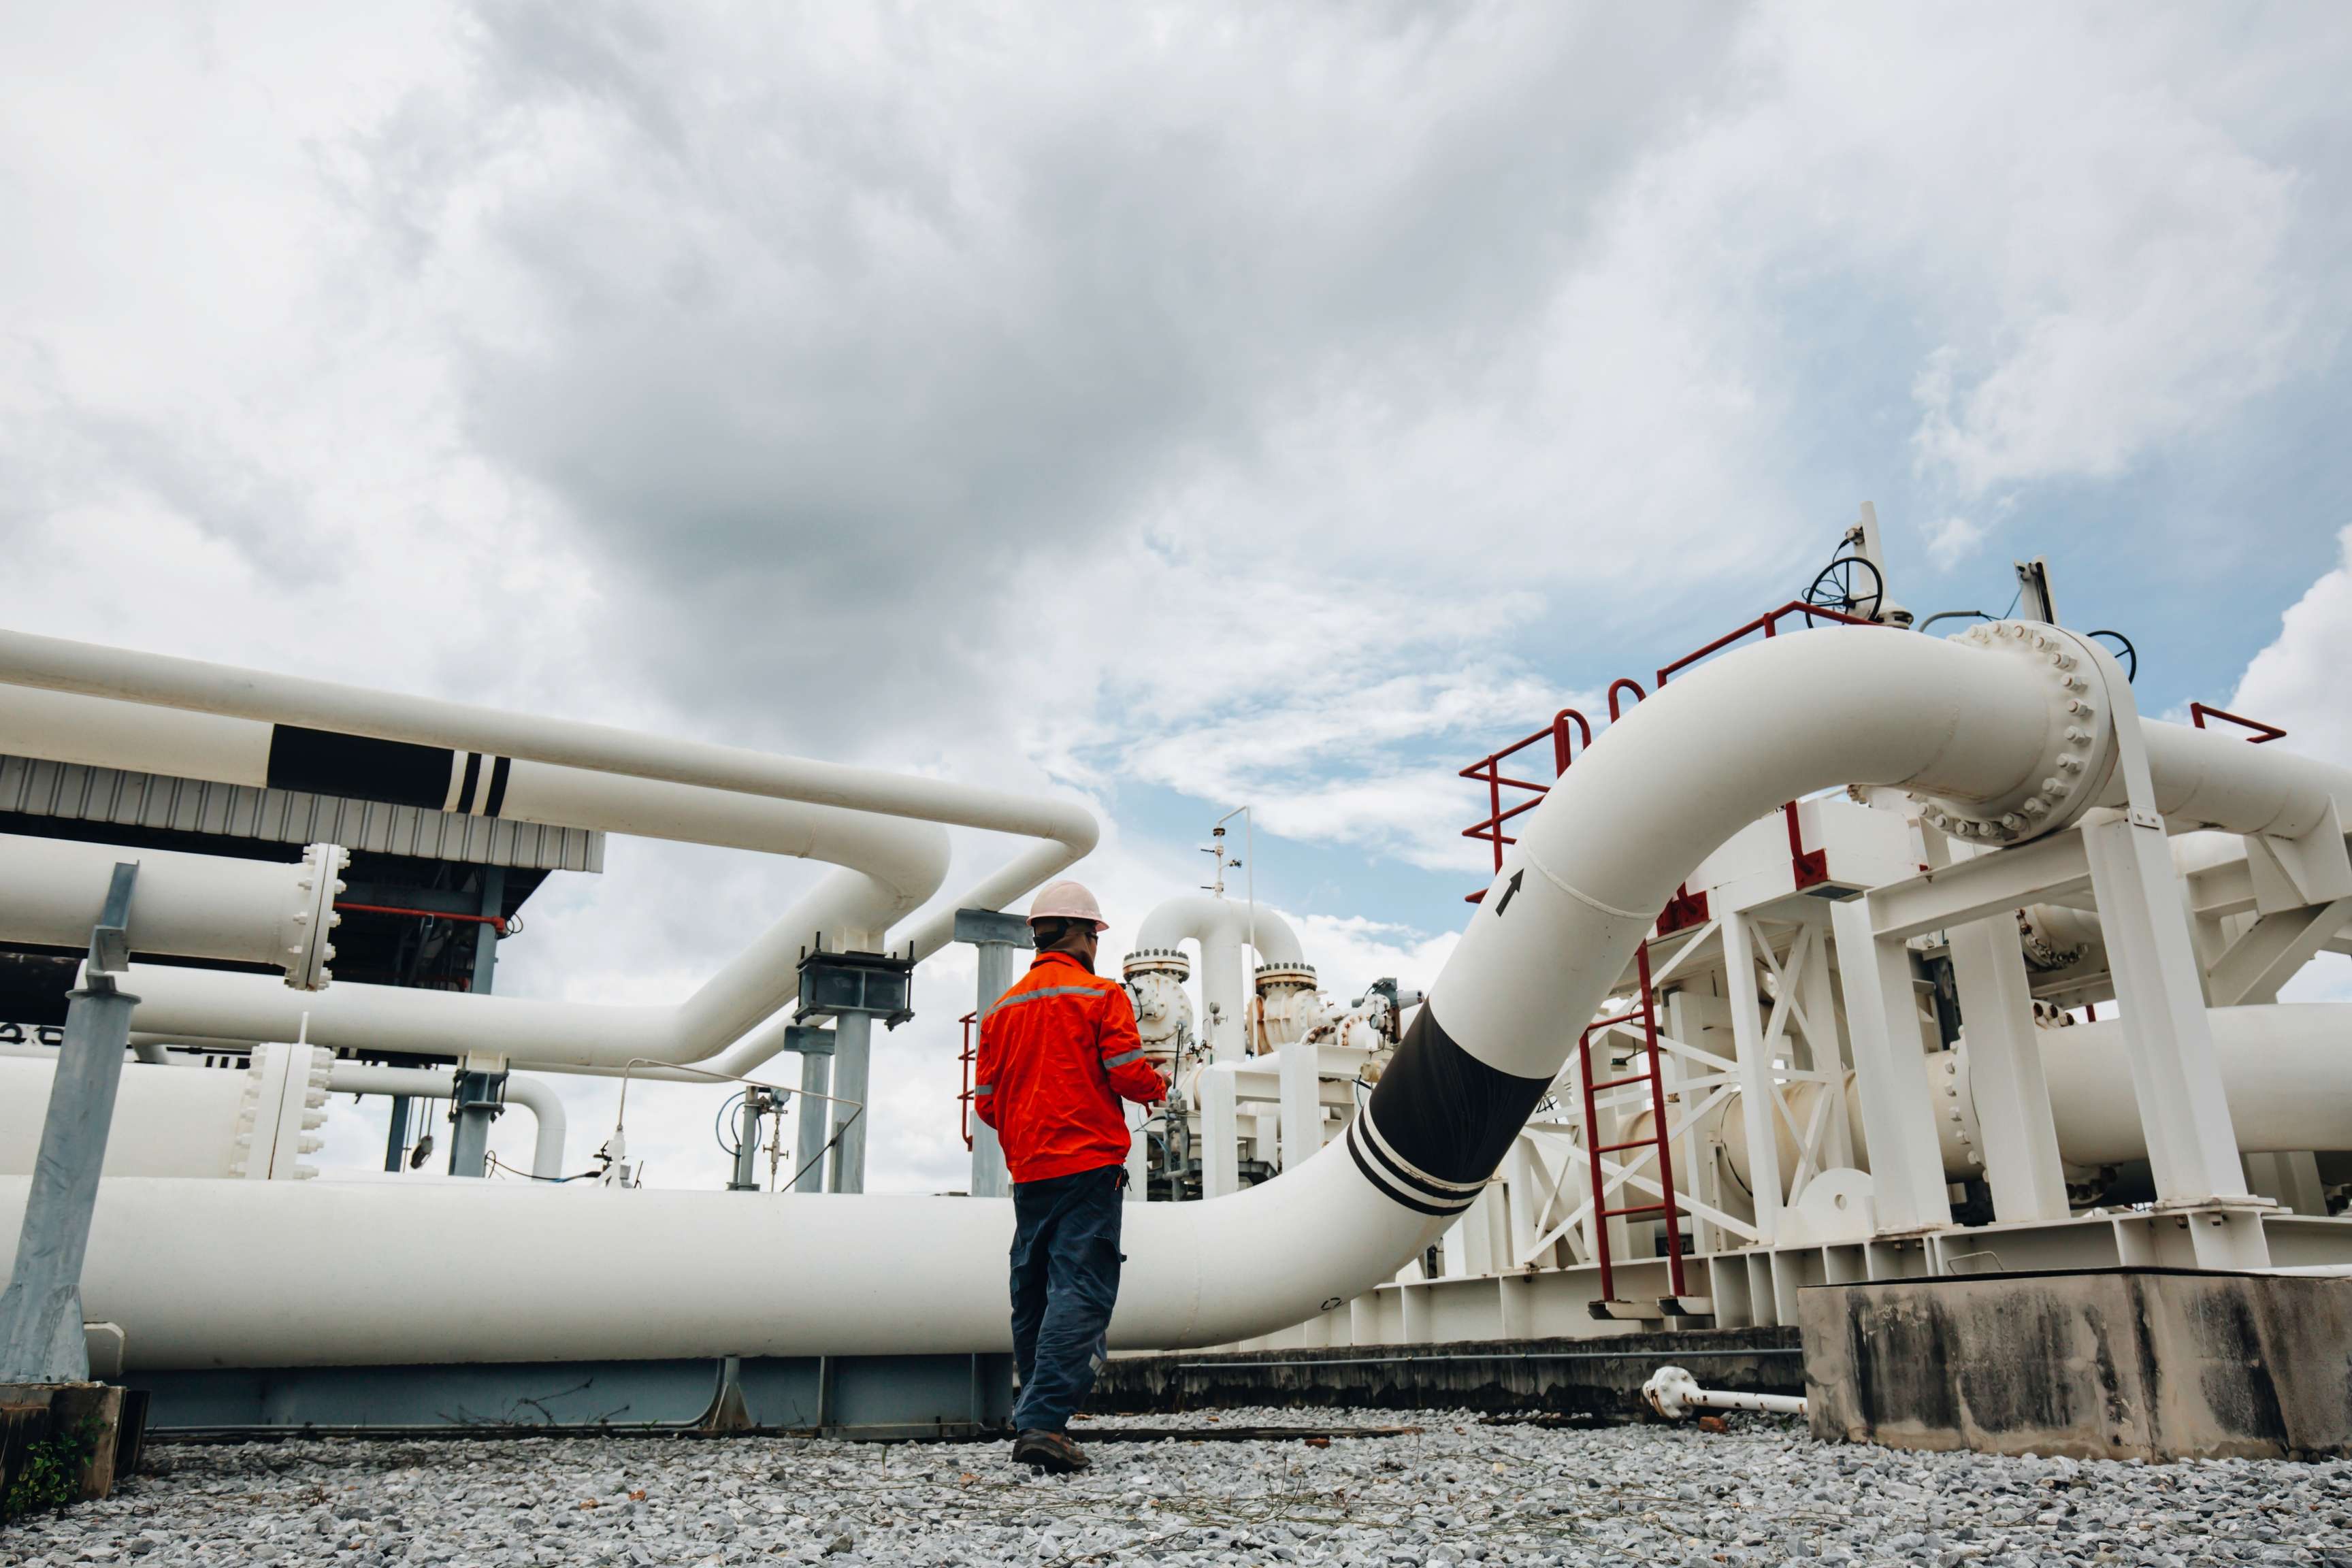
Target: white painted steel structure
<point>2019,747</point>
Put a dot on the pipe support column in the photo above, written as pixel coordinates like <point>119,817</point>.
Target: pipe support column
<point>853,1047</point>
<point>810,1122</point>
<point>2012,1104</point>
<point>1890,1072</point>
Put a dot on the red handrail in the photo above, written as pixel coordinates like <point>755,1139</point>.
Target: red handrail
<point>2264,733</point>
<point>498,920</point>
<point>964,1097</point>
<point>1809,867</point>
<point>1488,771</point>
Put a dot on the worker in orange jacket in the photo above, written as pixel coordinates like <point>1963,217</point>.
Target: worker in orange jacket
<point>1058,1054</point>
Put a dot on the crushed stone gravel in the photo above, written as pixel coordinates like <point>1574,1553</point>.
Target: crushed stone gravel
<point>1460,1490</point>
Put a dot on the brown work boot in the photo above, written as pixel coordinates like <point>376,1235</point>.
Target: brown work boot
<point>1052,1452</point>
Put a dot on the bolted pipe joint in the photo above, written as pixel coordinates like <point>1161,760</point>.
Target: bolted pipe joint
<point>308,949</point>
<point>2079,748</point>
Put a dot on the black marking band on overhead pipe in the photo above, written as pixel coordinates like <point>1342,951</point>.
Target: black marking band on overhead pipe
<point>1447,1118</point>
<point>498,786</point>
<point>361,767</point>
<point>473,778</point>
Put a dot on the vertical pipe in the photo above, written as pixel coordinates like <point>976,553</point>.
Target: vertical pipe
<point>817,1078</point>
<point>989,1177</point>
<point>40,1316</point>
<point>747,1141</point>
<point>853,1045</point>
<point>473,1107</point>
<point>395,1146</point>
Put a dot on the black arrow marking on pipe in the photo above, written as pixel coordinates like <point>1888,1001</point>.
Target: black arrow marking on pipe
<point>1508,889</point>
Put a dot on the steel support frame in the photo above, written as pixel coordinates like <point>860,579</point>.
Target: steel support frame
<point>2004,1062</point>
<point>41,1337</point>
<point>1890,1069</point>
<point>853,1056</point>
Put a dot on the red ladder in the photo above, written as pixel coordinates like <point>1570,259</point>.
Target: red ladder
<point>1659,1137</point>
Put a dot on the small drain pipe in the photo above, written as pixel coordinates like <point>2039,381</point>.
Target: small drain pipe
<point>1674,1393</point>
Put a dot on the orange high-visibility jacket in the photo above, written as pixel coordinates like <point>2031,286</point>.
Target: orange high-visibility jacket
<point>1057,1055</point>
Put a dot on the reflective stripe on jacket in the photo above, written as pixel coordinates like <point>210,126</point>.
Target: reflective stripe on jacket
<point>1058,1054</point>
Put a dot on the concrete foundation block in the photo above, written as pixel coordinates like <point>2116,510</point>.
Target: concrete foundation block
<point>91,1412</point>
<point>2113,1363</point>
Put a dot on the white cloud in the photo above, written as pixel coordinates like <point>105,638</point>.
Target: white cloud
<point>2298,681</point>
<point>1267,410</point>
<point>1952,540</point>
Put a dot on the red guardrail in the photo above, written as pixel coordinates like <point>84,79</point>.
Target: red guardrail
<point>1811,866</point>
<point>2200,711</point>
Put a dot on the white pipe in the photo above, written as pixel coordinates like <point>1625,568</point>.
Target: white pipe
<point>1223,929</point>
<point>2206,779</point>
<point>258,700</point>
<point>2287,1070</point>
<point>1673,1392</point>
<point>107,707</point>
<point>168,1120</point>
<point>292,1273</point>
<point>188,906</point>
<point>436,1083</point>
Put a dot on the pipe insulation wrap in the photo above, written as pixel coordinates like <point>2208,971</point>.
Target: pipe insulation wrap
<point>201,1277</point>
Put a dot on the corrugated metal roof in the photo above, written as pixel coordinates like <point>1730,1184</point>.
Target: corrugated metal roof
<point>288,816</point>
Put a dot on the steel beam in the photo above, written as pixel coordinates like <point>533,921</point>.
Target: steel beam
<point>2004,1052</point>
<point>2047,871</point>
<point>1890,1071</point>
<point>41,1338</point>
<point>2269,952</point>
<point>852,1050</point>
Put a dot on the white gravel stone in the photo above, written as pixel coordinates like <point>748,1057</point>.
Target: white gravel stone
<point>1460,1491</point>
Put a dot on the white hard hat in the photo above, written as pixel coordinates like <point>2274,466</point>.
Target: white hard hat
<point>1069,902</point>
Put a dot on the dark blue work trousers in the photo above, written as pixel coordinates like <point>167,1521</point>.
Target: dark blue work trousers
<point>1066,1262</point>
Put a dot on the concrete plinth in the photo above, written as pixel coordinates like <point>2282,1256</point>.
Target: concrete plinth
<point>89,1414</point>
<point>2115,1363</point>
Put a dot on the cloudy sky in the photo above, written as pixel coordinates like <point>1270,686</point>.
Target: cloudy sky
<point>1166,408</point>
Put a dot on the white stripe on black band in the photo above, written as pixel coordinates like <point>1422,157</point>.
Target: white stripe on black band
<point>1391,1188</point>
<point>1406,1170</point>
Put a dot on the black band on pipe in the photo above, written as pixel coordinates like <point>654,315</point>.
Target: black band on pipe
<point>320,761</point>
<point>472,780</point>
<point>498,786</point>
<point>1377,1173</point>
<point>1446,1117</point>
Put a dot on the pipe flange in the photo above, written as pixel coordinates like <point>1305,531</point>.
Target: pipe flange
<point>1273,974</point>
<point>308,950</point>
<point>1157,961</point>
<point>2078,750</point>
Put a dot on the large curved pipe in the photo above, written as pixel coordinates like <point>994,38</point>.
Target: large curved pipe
<point>195,1274</point>
<point>1224,928</point>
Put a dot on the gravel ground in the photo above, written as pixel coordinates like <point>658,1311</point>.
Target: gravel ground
<point>1459,1490</point>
